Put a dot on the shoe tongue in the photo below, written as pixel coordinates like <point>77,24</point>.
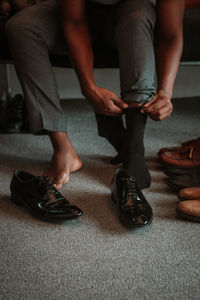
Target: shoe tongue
<point>44,179</point>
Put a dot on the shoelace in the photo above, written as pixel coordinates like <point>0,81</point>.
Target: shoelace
<point>134,199</point>
<point>131,188</point>
<point>51,193</point>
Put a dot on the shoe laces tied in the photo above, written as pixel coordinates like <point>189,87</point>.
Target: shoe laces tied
<point>51,194</point>
<point>131,188</point>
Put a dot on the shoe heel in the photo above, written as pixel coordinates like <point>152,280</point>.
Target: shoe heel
<point>15,199</point>
<point>113,198</point>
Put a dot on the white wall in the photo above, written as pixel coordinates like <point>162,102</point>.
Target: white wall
<point>187,82</point>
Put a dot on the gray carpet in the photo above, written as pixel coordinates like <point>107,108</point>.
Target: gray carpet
<point>96,257</point>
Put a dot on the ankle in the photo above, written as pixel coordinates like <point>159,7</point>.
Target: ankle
<point>60,141</point>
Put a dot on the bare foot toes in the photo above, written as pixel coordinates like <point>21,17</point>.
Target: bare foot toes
<point>60,178</point>
<point>62,164</point>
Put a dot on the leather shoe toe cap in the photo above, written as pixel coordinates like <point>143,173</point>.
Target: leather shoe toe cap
<point>138,218</point>
<point>189,193</point>
<point>72,212</point>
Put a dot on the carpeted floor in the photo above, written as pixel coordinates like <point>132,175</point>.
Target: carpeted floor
<point>96,257</point>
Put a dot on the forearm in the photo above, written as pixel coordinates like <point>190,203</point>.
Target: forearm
<point>73,15</point>
<point>80,51</point>
<point>168,56</point>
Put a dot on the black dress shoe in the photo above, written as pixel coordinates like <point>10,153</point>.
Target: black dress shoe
<point>39,196</point>
<point>2,115</point>
<point>176,183</point>
<point>133,207</point>
<point>172,171</point>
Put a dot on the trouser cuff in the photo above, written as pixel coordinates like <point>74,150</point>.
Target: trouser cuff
<point>137,97</point>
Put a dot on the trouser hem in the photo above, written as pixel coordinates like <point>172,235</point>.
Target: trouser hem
<point>137,97</point>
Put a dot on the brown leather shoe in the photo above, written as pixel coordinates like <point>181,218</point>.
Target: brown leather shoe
<point>189,209</point>
<point>186,157</point>
<point>177,148</point>
<point>190,193</point>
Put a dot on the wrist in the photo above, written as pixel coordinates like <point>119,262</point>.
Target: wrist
<point>165,92</point>
<point>88,88</point>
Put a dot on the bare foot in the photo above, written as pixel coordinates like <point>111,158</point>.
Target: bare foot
<point>64,160</point>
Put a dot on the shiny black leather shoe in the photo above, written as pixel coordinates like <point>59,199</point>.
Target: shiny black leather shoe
<point>133,207</point>
<point>39,196</point>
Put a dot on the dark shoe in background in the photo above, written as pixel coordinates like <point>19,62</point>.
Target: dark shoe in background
<point>171,171</point>
<point>38,195</point>
<point>2,115</point>
<point>176,183</point>
<point>133,207</point>
<point>25,128</point>
<point>14,113</point>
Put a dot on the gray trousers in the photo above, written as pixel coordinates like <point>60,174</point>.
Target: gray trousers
<point>35,32</point>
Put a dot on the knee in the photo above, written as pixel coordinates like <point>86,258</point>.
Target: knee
<point>140,18</point>
<point>15,26</point>
<point>10,27</point>
<point>135,15</point>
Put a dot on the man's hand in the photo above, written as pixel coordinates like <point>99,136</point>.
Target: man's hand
<point>159,108</point>
<point>105,101</point>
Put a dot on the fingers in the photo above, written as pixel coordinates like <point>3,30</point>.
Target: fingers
<point>119,102</point>
<point>149,103</point>
<point>112,113</point>
<point>115,106</point>
<point>109,109</point>
<point>159,108</point>
<point>106,102</point>
<point>155,104</point>
<point>161,114</point>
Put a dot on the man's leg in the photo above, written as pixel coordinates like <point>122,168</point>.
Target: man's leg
<point>32,34</point>
<point>132,31</point>
<point>113,130</point>
<point>133,24</point>
<point>109,127</point>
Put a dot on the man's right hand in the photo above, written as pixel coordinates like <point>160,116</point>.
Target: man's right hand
<point>105,101</point>
<point>78,40</point>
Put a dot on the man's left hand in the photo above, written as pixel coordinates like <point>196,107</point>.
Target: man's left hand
<point>159,108</point>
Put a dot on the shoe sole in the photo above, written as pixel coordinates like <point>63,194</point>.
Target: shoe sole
<point>128,222</point>
<point>20,202</point>
<point>165,164</point>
